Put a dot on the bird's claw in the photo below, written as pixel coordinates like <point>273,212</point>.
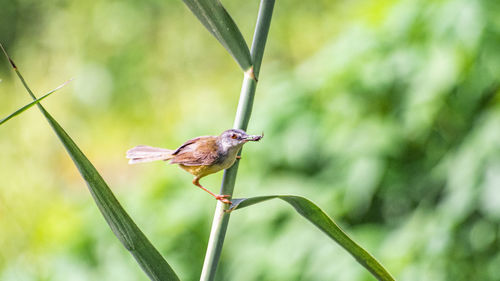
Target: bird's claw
<point>223,198</point>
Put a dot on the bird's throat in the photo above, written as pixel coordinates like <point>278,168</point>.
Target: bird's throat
<point>227,154</point>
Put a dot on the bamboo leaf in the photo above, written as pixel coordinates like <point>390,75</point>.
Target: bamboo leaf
<point>322,221</point>
<point>129,234</point>
<point>216,19</point>
<point>22,109</point>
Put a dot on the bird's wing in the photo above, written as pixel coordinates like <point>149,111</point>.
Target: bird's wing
<point>185,146</point>
<point>195,152</point>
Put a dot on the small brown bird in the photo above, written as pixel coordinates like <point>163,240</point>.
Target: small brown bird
<point>200,156</point>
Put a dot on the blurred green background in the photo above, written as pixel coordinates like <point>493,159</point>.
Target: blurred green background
<point>384,113</point>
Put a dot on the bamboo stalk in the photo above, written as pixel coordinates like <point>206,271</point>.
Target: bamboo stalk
<point>221,218</point>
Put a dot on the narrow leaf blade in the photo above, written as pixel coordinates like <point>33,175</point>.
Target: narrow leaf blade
<point>125,229</point>
<point>217,20</point>
<point>22,109</point>
<point>321,220</point>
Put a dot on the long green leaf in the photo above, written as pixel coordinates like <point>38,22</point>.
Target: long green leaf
<point>216,19</point>
<point>150,260</point>
<point>22,109</point>
<point>322,221</point>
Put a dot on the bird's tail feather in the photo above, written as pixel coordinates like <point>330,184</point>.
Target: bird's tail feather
<point>144,153</point>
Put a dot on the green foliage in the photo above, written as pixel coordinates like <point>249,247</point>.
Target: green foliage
<point>132,237</point>
<point>36,101</point>
<point>120,222</point>
<point>320,219</point>
<point>385,113</point>
<point>215,18</point>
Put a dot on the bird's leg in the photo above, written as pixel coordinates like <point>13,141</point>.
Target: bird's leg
<point>238,157</point>
<point>222,198</point>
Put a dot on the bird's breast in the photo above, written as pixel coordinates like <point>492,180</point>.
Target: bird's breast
<point>226,158</point>
<point>201,170</point>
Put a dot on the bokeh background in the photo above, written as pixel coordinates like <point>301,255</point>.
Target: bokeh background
<point>384,113</point>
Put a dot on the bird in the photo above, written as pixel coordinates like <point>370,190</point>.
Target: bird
<point>200,156</point>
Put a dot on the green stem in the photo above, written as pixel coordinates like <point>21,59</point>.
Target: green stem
<point>221,218</point>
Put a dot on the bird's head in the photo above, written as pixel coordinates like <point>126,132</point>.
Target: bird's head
<point>233,138</point>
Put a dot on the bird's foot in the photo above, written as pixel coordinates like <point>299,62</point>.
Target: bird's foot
<point>223,198</point>
<point>238,157</point>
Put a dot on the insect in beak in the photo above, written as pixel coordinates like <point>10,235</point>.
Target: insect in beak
<point>255,138</point>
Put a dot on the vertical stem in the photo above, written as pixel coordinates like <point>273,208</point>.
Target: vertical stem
<point>221,218</point>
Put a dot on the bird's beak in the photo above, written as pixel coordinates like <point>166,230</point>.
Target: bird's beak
<point>254,137</point>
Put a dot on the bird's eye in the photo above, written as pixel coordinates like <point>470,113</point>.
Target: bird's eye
<point>234,136</point>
